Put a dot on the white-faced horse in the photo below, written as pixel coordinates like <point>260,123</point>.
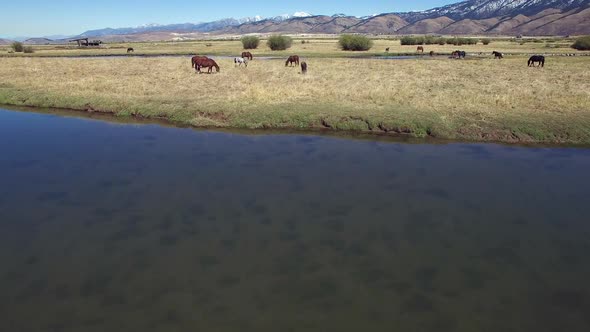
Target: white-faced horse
<point>240,61</point>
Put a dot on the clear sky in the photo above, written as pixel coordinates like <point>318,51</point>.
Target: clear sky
<point>69,17</point>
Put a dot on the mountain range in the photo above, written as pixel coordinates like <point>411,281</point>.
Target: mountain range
<point>472,17</point>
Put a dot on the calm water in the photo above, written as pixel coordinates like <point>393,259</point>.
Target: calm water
<point>122,227</point>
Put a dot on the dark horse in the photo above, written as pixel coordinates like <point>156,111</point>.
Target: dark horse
<point>130,49</point>
<point>459,54</point>
<point>304,67</point>
<point>536,58</point>
<point>293,59</point>
<point>420,49</point>
<point>247,55</point>
<point>497,55</point>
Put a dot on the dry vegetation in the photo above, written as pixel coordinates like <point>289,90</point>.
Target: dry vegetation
<point>314,47</point>
<point>481,99</point>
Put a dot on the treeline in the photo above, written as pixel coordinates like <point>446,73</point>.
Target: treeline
<point>434,40</point>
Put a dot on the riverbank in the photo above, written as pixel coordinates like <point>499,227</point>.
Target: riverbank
<point>482,99</point>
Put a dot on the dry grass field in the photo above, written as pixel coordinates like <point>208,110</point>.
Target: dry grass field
<point>313,47</point>
<point>479,99</point>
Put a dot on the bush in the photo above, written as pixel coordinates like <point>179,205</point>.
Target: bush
<point>486,41</point>
<point>355,43</point>
<point>461,41</point>
<point>423,40</point>
<point>279,43</point>
<point>582,44</point>
<point>17,46</point>
<point>303,41</point>
<point>28,49</point>
<point>250,42</point>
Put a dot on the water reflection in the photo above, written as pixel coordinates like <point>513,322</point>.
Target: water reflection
<point>136,228</point>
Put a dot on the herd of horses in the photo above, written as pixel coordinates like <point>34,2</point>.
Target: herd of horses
<point>198,62</point>
<point>535,59</point>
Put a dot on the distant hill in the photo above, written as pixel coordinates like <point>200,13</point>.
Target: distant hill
<point>39,41</point>
<point>472,17</point>
<point>527,17</point>
<point>5,41</point>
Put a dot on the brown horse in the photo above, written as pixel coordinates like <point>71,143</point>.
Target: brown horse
<point>293,59</point>
<point>208,63</point>
<point>420,49</point>
<point>247,55</point>
<point>130,49</point>
<point>205,62</point>
<point>431,53</point>
<point>304,67</point>
<point>195,59</point>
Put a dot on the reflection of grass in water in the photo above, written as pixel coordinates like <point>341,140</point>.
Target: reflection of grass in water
<point>168,240</point>
<point>425,278</point>
<point>228,280</point>
<point>475,279</point>
<point>318,289</point>
<point>110,300</point>
<point>32,260</point>
<point>334,225</point>
<point>417,303</point>
<point>289,236</point>
<point>207,261</point>
<point>35,288</point>
<point>95,285</point>
<point>229,244</point>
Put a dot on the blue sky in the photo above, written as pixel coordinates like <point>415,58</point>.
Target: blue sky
<point>68,17</point>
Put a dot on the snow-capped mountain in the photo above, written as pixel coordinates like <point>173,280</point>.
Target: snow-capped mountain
<point>189,27</point>
<point>494,17</point>
<point>482,9</point>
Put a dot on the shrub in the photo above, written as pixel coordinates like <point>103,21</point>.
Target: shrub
<point>28,49</point>
<point>303,41</point>
<point>355,43</point>
<point>250,42</point>
<point>17,46</point>
<point>407,40</point>
<point>582,44</point>
<point>462,41</point>
<point>486,41</point>
<point>279,43</point>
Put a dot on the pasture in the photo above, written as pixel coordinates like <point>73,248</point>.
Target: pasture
<point>479,98</point>
<point>313,47</point>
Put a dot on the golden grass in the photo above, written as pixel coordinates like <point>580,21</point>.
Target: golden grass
<point>468,99</point>
<point>316,47</point>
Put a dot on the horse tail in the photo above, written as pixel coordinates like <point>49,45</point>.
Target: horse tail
<point>192,63</point>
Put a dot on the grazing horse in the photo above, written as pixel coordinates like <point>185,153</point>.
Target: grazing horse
<point>387,49</point>
<point>293,59</point>
<point>459,54</point>
<point>130,49</point>
<point>536,58</point>
<point>195,60</point>
<point>247,55</point>
<point>431,53</point>
<point>207,63</point>
<point>304,67</point>
<point>240,61</point>
<point>420,49</point>
<point>497,55</point>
